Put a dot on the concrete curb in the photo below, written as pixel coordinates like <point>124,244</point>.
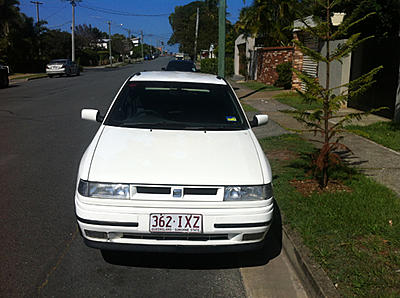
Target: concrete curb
<point>313,277</point>
<point>16,80</point>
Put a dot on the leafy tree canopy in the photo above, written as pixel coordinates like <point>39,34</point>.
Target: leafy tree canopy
<point>269,20</point>
<point>383,15</point>
<point>183,23</point>
<point>87,35</point>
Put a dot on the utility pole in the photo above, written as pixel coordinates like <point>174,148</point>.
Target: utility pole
<point>109,41</point>
<point>73,4</point>
<point>196,34</point>
<point>141,39</point>
<point>221,38</point>
<point>37,3</point>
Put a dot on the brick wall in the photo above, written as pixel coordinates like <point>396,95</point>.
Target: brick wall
<point>269,59</point>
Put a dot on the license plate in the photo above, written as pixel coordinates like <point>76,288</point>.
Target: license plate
<point>176,223</point>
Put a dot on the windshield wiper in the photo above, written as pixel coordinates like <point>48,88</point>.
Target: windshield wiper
<point>161,124</point>
<point>213,127</point>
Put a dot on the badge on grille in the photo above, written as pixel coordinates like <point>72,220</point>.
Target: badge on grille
<point>177,193</point>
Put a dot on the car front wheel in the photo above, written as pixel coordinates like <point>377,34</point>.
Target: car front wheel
<point>4,81</point>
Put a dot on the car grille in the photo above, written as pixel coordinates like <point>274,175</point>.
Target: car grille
<point>153,190</point>
<point>168,192</point>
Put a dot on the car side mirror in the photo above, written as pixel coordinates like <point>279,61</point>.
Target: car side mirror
<point>259,120</point>
<point>91,115</point>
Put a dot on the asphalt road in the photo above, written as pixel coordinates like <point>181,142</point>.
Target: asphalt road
<point>41,252</point>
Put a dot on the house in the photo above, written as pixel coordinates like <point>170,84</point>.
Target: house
<point>243,55</point>
<point>102,43</point>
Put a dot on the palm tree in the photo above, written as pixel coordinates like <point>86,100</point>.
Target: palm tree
<point>269,20</point>
<point>9,12</point>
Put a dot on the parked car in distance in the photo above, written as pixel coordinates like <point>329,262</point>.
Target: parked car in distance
<point>179,56</point>
<point>180,65</point>
<point>62,67</point>
<point>4,81</point>
<point>174,167</point>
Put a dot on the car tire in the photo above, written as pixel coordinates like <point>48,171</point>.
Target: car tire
<point>50,76</point>
<point>4,82</point>
<point>78,73</point>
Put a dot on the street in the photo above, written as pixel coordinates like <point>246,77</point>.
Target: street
<point>42,253</point>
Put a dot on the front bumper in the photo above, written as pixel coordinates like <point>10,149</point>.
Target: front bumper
<point>227,226</point>
<point>56,71</point>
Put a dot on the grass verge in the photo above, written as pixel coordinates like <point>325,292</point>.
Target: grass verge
<point>384,133</point>
<point>295,101</point>
<point>254,85</point>
<point>248,108</point>
<point>30,76</point>
<point>353,235</point>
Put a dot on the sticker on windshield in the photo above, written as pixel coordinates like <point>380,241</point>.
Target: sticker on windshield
<point>231,118</point>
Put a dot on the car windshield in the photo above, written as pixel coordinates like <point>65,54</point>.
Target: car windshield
<point>181,65</point>
<point>173,105</point>
<point>58,61</point>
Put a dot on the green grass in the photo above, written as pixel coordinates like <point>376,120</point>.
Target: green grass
<point>294,100</point>
<point>248,108</point>
<point>348,233</point>
<point>30,76</point>
<point>384,133</point>
<point>254,85</point>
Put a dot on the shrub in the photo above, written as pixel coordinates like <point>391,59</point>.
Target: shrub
<point>284,71</point>
<point>88,57</point>
<point>210,65</point>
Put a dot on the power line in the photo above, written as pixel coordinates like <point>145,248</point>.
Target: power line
<point>69,22</point>
<point>121,13</point>
<point>56,12</point>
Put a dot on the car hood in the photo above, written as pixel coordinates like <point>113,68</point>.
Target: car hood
<point>144,156</point>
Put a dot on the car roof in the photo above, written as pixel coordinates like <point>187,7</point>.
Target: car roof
<point>178,76</point>
<point>181,62</point>
<point>59,60</point>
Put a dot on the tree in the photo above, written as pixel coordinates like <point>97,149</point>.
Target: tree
<point>270,21</point>
<point>86,35</point>
<point>9,13</point>
<point>183,23</point>
<point>317,120</point>
<point>55,44</point>
<point>9,17</point>
<point>382,23</point>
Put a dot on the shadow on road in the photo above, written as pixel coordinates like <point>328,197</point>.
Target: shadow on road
<point>12,85</point>
<point>253,92</point>
<point>271,249</point>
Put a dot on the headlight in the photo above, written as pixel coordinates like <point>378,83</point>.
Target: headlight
<point>103,190</point>
<point>248,193</point>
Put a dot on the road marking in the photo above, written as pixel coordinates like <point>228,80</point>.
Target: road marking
<point>59,260</point>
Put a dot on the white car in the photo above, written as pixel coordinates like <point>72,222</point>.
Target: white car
<point>62,67</point>
<point>174,167</point>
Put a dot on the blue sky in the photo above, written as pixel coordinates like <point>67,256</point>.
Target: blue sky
<point>155,28</point>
